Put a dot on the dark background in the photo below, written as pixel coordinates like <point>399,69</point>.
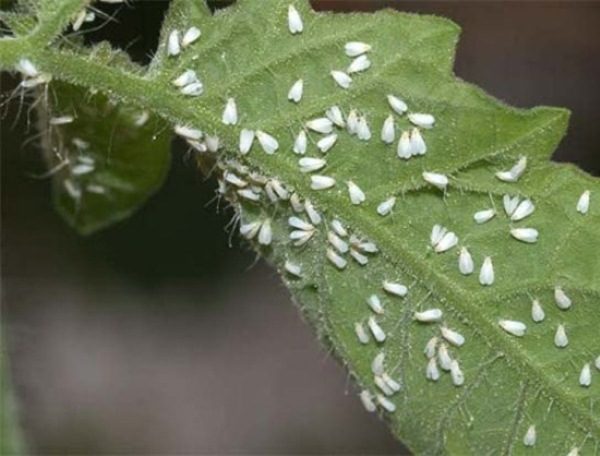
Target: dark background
<point>156,337</point>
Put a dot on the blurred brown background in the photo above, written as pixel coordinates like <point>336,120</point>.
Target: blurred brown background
<point>155,337</point>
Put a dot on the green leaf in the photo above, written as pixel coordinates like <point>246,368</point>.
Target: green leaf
<point>246,52</point>
<point>108,161</point>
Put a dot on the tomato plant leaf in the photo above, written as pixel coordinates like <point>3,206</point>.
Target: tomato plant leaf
<point>499,378</point>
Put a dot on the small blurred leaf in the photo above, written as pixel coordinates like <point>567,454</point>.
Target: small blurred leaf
<point>111,157</point>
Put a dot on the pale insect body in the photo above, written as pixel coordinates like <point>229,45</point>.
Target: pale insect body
<point>61,120</point>
<point>537,312</point>
<point>319,182</point>
<point>444,357</point>
<point>375,304</point>
<point>360,63</point>
<point>432,371</point>
<point>560,337</point>
<point>337,260</point>
<point>597,363</point>
<point>312,213</point>
<point>385,207</point>
<point>339,228</point>
<point>523,210</point>
<point>388,405</point>
<point>377,365</point>
<point>342,79</point>
<point>583,204</point>
<point>486,274</point>
<point>358,257</point>
<point>397,104</point>
<point>417,143</point>
<point>187,77</point>
<point>337,242</point>
<point>395,289</point>
<point>515,328</point>
<point>391,383</point>
<point>27,68</point>
<point>515,173</point>
<point>300,237</point>
<point>367,401</point>
<point>357,196</point>
<point>300,143</point>
<point>530,436</point>
<point>356,48</point>
<point>97,189</point>
<point>246,140</point>
<point>437,233</point>
<point>458,378</point>
<point>281,193</point>
<point>296,91</point>
<point>365,246</point>
<point>527,235</point>
<point>173,46</point>
<point>483,216</point>
<point>321,125</point>
<point>465,262</point>
<point>404,149</point>
<point>194,89</point>
<point>234,179</point>
<point>431,347</point>
<point>190,36</point>
<point>230,113</point>
<point>81,169</point>
<point>79,19</point>
<point>197,146</point>
<point>378,333</point>
<point>335,115</point>
<point>265,235</point>
<point>249,230</point>
<point>141,119</point>
<point>562,300</point>
<point>295,24</point>
<point>574,452</point>
<point>421,120</point>
<point>454,337</point>
<point>388,134</point>
<point>436,179</point>
<point>429,315</point>
<point>212,143</point>
<point>249,194</point>
<point>298,223</point>
<point>510,204</point>
<point>188,132</point>
<point>310,164</point>
<point>352,122</point>
<point>293,268</point>
<point>268,143</point>
<point>325,144</point>
<point>383,386</point>
<point>296,203</point>
<point>80,143</point>
<point>585,377</point>
<point>448,241</point>
<point>361,333</point>
<point>363,132</point>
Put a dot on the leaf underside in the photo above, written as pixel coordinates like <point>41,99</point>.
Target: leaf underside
<point>246,52</point>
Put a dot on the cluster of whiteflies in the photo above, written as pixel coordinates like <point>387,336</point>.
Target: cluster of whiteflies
<point>75,158</point>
